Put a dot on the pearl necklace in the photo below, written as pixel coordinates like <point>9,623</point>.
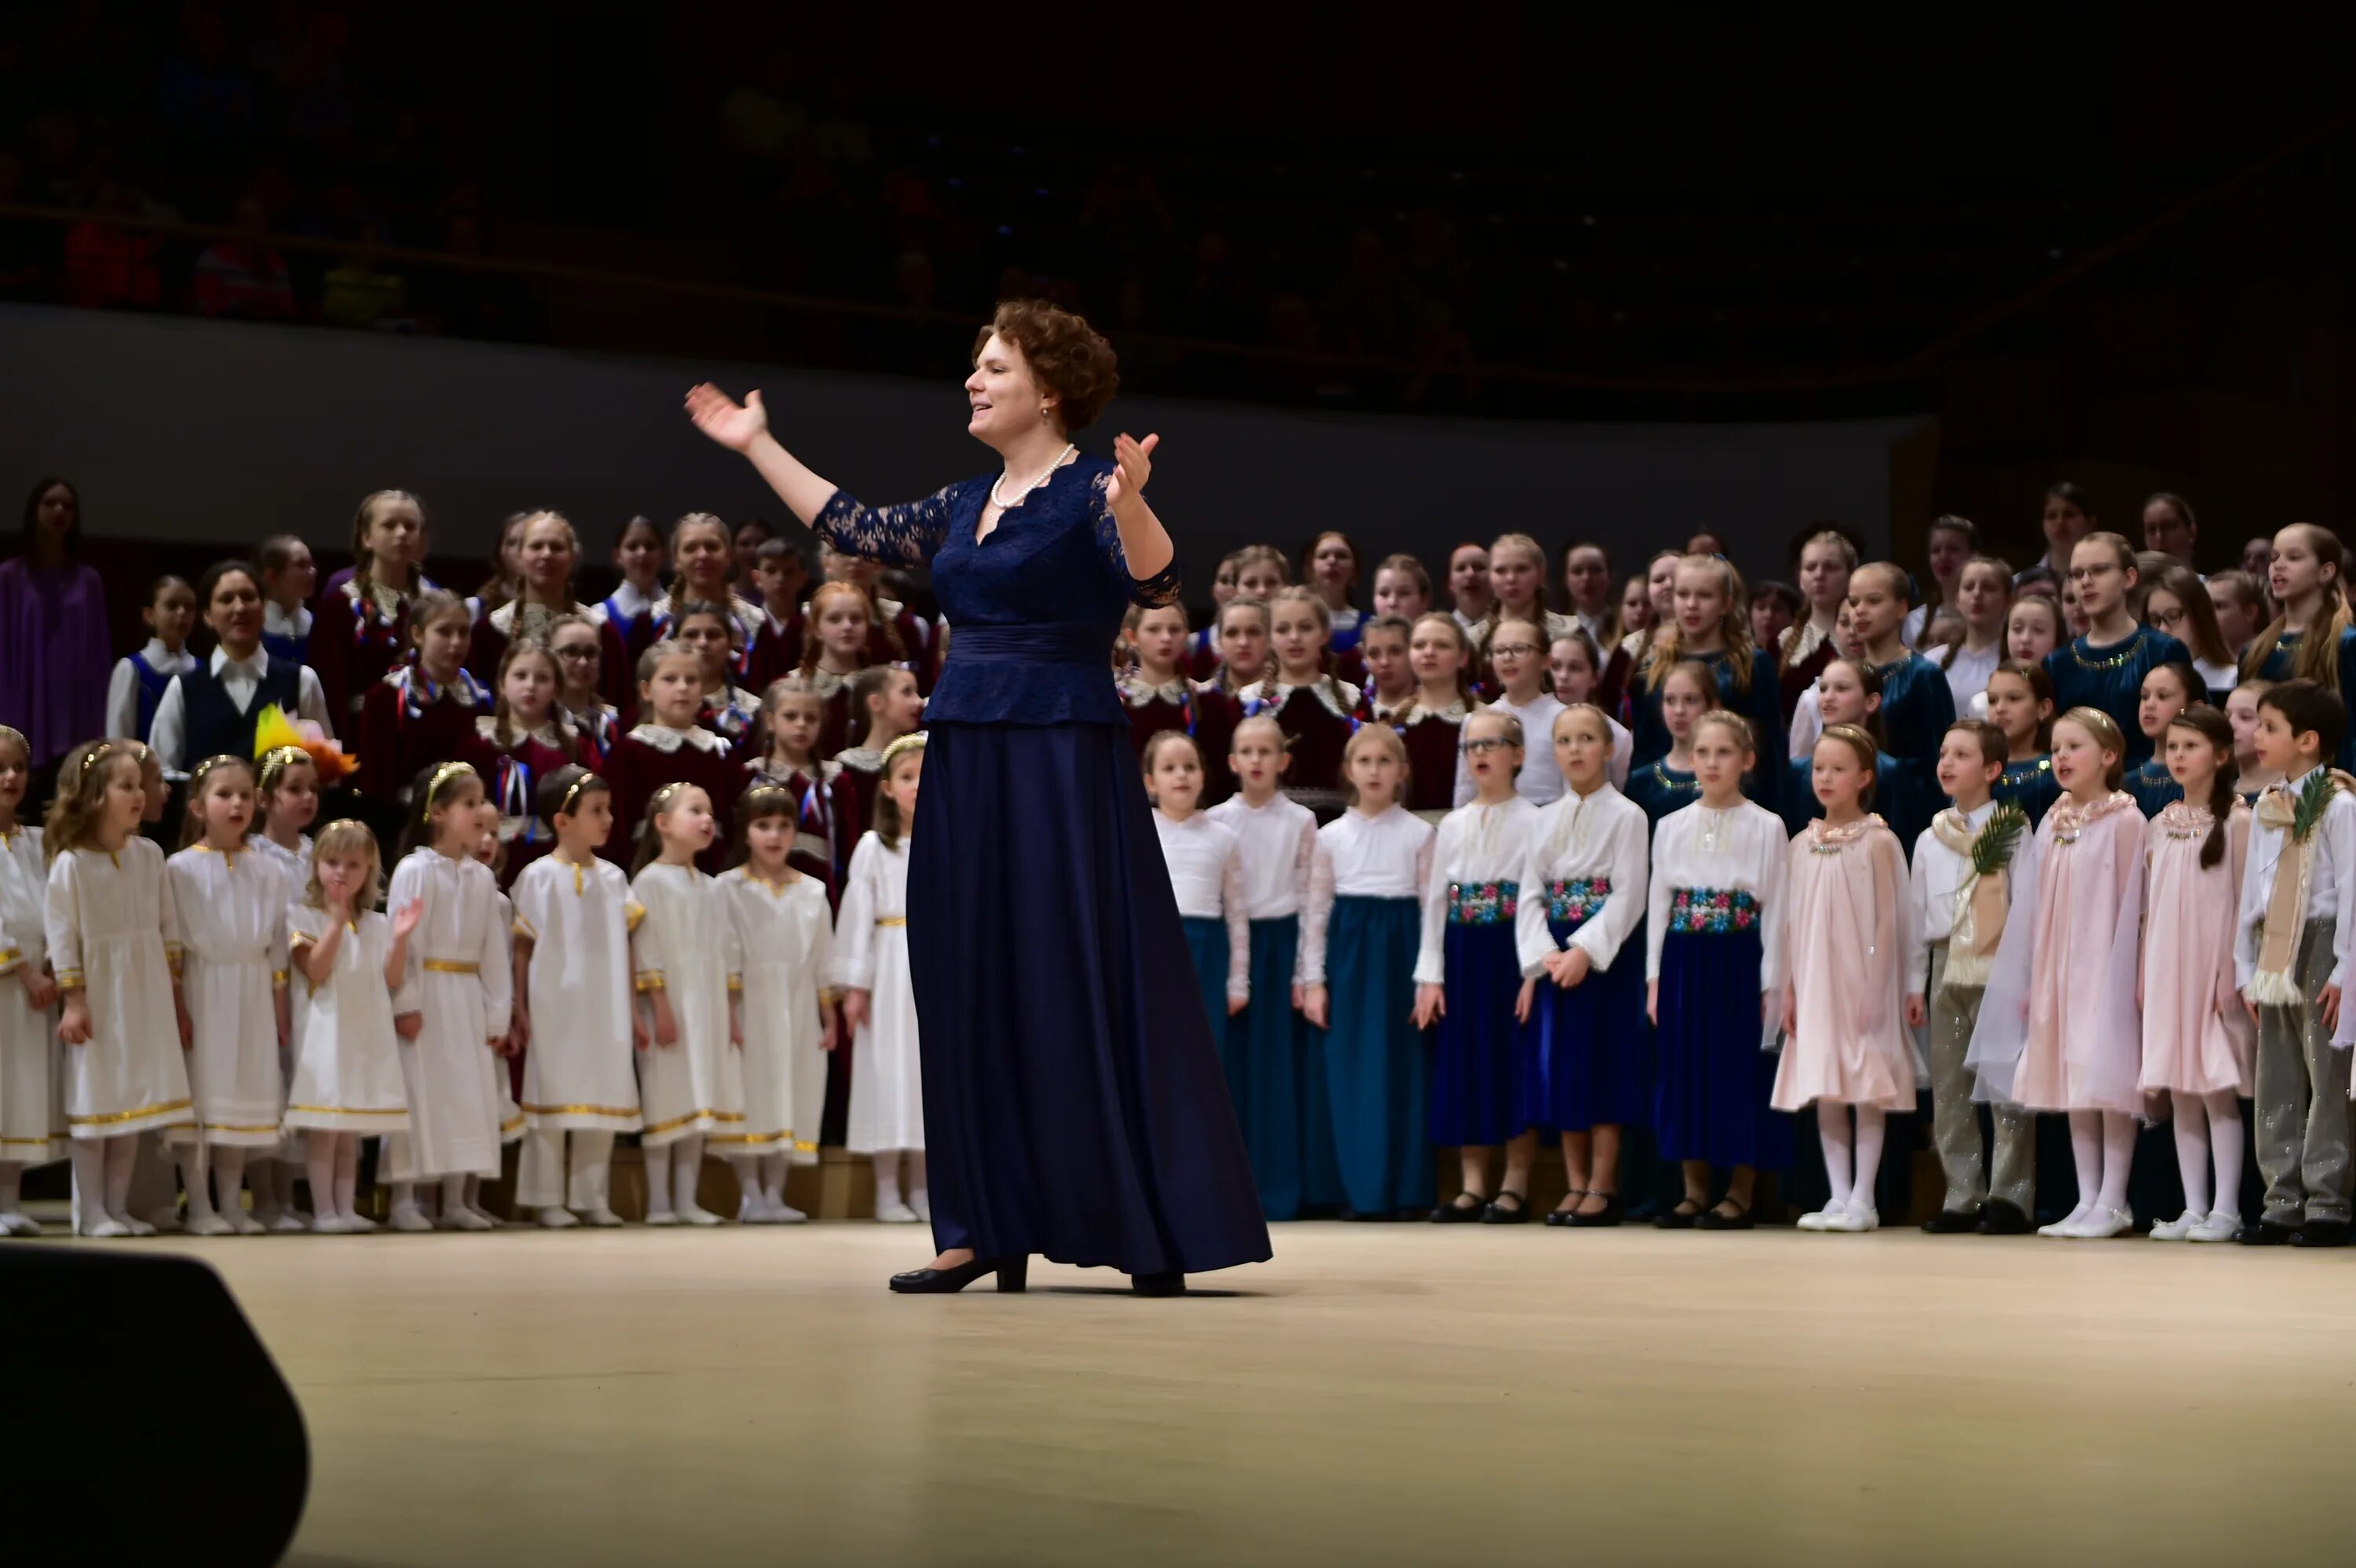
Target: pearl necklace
<point>1069,448</point>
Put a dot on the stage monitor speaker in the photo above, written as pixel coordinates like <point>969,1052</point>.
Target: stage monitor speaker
<point>141,1390</point>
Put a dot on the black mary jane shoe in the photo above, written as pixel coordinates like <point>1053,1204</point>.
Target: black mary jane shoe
<point>1611,1213</point>
<point>1496,1213</point>
<point>2265,1233</point>
<point>1741,1219</point>
<point>1950,1222</point>
<point>1563,1216</point>
<point>1170,1282</point>
<point>1012,1273</point>
<point>1457,1213</point>
<point>1683,1217</point>
<point>2003,1219</point>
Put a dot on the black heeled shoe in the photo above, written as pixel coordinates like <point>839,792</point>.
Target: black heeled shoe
<point>1455,1212</point>
<point>1610,1214</point>
<point>1496,1213</point>
<point>1170,1282</point>
<point>1012,1273</point>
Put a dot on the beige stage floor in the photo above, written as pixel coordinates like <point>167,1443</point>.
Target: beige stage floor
<point>1377,1395</point>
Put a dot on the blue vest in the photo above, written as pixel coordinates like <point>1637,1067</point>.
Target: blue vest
<point>152,682</point>
<point>209,720</point>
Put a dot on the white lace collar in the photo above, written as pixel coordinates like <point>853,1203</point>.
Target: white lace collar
<point>1136,693</point>
<point>1338,697</point>
<point>668,740</point>
<point>548,734</point>
<point>1452,714</point>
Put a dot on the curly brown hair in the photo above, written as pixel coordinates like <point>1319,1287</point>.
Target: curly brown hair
<point>1067,358</point>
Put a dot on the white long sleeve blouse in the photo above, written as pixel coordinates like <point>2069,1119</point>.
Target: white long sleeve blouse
<point>1386,856</point>
<point>1474,844</point>
<point>1584,839</point>
<point>1206,872</point>
<point>1743,846</point>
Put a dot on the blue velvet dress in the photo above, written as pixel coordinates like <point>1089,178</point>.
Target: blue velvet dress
<point>1074,1103</point>
<point>1761,703</point>
<point>1898,794</point>
<point>1917,706</point>
<point>2111,678</point>
<point>1659,789</point>
<point>2029,785</point>
<point>2281,663</point>
<point>2152,785</point>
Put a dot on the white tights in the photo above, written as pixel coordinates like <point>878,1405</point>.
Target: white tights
<point>887,1178</point>
<point>101,1171</point>
<point>671,1183</point>
<point>1850,1174</point>
<point>12,1188</point>
<point>2102,1146</point>
<point>335,1162</point>
<point>2207,1126</point>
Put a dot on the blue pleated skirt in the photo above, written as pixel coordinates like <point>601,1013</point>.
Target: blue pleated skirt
<point>1206,950</point>
<point>1711,1102</point>
<point>1276,1073</point>
<point>1374,1054</point>
<point>1586,1058</point>
<point>1474,1045</point>
<point>1074,1103</point>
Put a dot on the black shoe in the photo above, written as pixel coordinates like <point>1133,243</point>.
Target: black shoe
<point>1496,1213</point>
<point>1740,1219</point>
<point>1683,1217</point>
<point>1455,1213</point>
<point>1170,1282</point>
<point>2001,1219</point>
<point>1562,1216</point>
<point>2320,1233</point>
<point>1011,1272</point>
<point>1609,1214</point>
<point>2265,1233</point>
<point>1950,1222</point>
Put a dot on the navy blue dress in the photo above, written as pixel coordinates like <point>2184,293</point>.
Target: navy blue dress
<point>1917,706</point>
<point>2111,678</point>
<point>1074,1103</point>
<point>1761,703</point>
<point>2031,785</point>
<point>1898,794</point>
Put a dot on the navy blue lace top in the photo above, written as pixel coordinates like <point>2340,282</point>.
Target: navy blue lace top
<point>1033,609</point>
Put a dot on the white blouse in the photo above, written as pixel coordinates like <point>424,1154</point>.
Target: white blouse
<point>1276,843</point>
<point>1743,846</point>
<point>1539,781</point>
<point>1474,844</point>
<point>1386,856</point>
<point>1584,839</point>
<point>1206,872</point>
<point>1969,676</point>
<point>2331,883</point>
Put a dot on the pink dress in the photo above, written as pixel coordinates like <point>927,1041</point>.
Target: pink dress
<point>2083,1048</point>
<point>2197,1037</point>
<point>1846,937</point>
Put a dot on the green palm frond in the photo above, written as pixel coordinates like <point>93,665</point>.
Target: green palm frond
<point>2314,796</point>
<point>1992,850</point>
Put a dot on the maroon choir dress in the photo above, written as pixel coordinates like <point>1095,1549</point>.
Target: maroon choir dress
<point>651,756</point>
<point>495,630</point>
<point>597,728</point>
<point>835,696</point>
<point>1177,706</point>
<point>861,779</point>
<point>1802,672</point>
<point>511,776</point>
<point>408,721</point>
<point>1217,714</point>
<point>639,621</point>
<point>1430,736</point>
<point>777,649</point>
<point>1203,653</point>
<point>1316,720</point>
<point>356,641</point>
<point>825,831</point>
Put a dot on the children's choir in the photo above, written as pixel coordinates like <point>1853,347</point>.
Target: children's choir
<point>1647,873</point>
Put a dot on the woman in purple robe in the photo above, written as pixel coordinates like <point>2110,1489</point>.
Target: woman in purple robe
<point>55,653</point>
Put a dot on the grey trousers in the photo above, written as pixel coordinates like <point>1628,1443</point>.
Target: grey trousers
<point>2302,1101</point>
<point>1954,1119</point>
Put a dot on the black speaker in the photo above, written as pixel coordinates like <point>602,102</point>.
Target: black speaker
<point>127,1371</point>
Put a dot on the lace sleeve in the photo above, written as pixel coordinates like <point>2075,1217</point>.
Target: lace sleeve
<point>1314,913</point>
<point>907,535</point>
<point>1160,589</point>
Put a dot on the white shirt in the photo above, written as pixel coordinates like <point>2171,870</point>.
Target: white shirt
<point>1474,844</point>
<point>123,687</point>
<point>1584,839</point>
<point>1700,846</point>
<point>241,679</point>
<point>1383,857</point>
<point>1939,878</point>
<point>1206,872</point>
<point>1539,781</point>
<point>1807,724</point>
<point>1276,843</point>
<point>2330,882</point>
<point>277,620</point>
<point>2217,677</point>
<point>1969,676</point>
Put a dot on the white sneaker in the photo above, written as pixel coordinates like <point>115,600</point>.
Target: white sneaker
<point>465,1219</point>
<point>2102,1225</point>
<point>695,1214</point>
<point>661,1216</point>
<point>1858,1216</point>
<point>604,1219</point>
<point>106,1230</point>
<point>409,1219</point>
<point>207,1225</point>
<point>355,1224</point>
<point>895,1214</point>
<point>2219,1226</point>
<point>2175,1229</point>
<point>557,1218</point>
<point>19,1223</point>
<point>2065,1225</point>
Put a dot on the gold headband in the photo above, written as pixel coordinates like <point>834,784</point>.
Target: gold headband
<point>912,742</point>
<point>442,776</point>
<point>89,760</point>
<point>10,732</point>
<point>655,805</point>
<point>572,792</point>
<point>205,768</point>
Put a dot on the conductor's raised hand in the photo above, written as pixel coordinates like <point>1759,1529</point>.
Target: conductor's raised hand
<point>1133,465</point>
<point>733,425</point>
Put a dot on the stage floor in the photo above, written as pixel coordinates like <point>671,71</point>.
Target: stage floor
<point>1377,1394</point>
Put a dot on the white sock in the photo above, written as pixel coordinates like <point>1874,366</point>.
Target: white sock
<point>193,1174</point>
<point>1832,1129</point>
<point>920,1195</point>
<point>591,1159</point>
<point>2118,1157</point>
<point>773,1180</point>
<point>1871,1121</point>
<point>122,1167</point>
<point>348,1177</point>
<point>454,1195</point>
<point>319,1156</point>
<point>405,1195</point>
<point>887,1180</point>
<point>2086,1155</point>
<point>687,1171</point>
<point>748,1167</point>
<point>228,1161</point>
<point>2192,1149</point>
<point>2225,1137</point>
<point>89,1157</point>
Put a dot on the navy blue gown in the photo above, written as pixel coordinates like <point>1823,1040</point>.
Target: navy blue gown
<point>1073,1102</point>
<point>2111,678</point>
<point>1761,701</point>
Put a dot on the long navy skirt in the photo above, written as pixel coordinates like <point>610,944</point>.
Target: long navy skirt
<point>1476,1040</point>
<point>1276,1070</point>
<point>1374,1054</point>
<point>1586,1057</point>
<point>1715,1081</point>
<point>1074,1105</point>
